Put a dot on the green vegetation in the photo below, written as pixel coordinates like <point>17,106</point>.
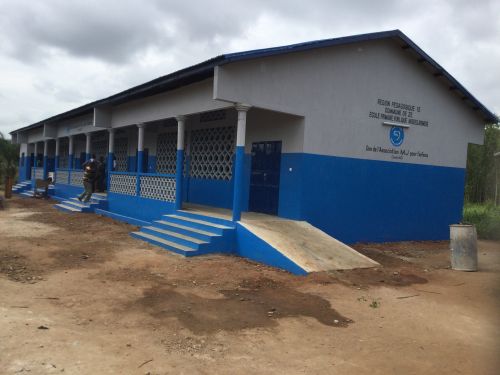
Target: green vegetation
<point>483,180</point>
<point>9,157</point>
<point>481,174</point>
<point>486,218</point>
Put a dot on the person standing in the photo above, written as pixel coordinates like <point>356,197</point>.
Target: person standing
<point>89,176</point>
<point>101,175</point>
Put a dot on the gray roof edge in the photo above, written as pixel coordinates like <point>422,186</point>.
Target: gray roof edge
<point>252,54</point>
<point>203,67</point>
<point>239,56</point>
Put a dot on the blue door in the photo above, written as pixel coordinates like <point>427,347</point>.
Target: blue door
<point>265,177</point>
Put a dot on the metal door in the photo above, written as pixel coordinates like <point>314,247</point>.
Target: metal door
<point>265,177</point>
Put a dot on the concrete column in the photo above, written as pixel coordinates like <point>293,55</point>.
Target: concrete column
<point>111,151</point>
<point>35,163</point>
<point>45,158</point>
<point>31,160</point>
<point>181,121</point>
<point>56,161</point>
<point>239,160</point>
<point>140,147</point>
<point>87,146</point>
<point>22,160</point>
<point>71,144</point>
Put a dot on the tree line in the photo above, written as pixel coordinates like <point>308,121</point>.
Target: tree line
<point>483,168</point>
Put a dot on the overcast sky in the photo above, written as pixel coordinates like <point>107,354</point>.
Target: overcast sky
<point>59,54</point>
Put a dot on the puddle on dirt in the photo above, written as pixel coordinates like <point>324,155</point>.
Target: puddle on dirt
<point>258,303</point>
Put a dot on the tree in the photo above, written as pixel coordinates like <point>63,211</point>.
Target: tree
<point>9,156</point>
<point>480,181</point>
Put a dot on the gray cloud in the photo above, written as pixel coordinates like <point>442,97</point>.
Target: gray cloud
<point>108,31</point>
<point>57,54</point>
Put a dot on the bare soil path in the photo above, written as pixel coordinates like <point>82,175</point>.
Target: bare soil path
<point>79,296</point>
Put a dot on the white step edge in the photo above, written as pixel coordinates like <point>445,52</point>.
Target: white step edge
<point>191,229</point>
<point>79,201</point>
<point>77,204</point>
<point>161,240</point>
<point>203,222</point>
<point>175,234</point>
<point>68,207</point>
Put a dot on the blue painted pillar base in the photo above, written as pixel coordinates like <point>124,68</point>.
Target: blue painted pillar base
<point>22,167</point>
<point>56,167</point>
<point>178,179</point>
<point>238,182</point>
<point>70,161</point>
<point>31,165</point>
<point>45,165</point>
<point>140,158</point>
<point>109,169</point>
<point>87,157</point>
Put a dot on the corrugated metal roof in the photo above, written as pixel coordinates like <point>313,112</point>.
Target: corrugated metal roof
<point>205,69</point>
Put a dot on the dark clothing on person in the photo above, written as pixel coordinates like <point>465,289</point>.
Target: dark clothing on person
<point>101,176</point>
<point>89,170</point>
<point>87,193</point>
<point>89,176</point>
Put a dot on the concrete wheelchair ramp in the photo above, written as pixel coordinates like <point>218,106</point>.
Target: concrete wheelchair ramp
<point>305,245</point>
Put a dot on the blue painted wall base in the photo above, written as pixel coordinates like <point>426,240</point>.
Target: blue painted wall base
<point>250,246</point>
<point>351,199</point>
<point>357,200</point>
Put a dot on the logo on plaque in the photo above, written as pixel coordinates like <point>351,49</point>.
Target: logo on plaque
<point>397,136</point>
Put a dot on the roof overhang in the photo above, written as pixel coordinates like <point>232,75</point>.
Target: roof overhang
<point>205,70</point>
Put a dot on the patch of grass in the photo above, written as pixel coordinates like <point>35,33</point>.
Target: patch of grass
<point>486,218</point>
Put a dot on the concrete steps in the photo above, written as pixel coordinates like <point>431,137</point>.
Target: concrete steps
<point>25,189</point>
<point>189,234</point>
<point>21,186</point>
<point>98,200</point>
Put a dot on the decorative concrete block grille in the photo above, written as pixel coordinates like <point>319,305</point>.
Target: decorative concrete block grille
<point>166,152</point>
<point>121,154</point>
<point>63,153</point>
<point>212,152</point>
<point>123,184</point>
<point>62,177</point>
<point>38,173</point>
<point>156,187</point>
<point>76,178</point>
<point>213,116</point>
<point>100,149</point>
<point>63,161</point>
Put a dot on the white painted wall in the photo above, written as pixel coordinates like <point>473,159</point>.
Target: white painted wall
<point>77,125</point>
<point>23,148</point>
<point>263,125</point>
<point>335,89</point>
<point>35,135</point>
<point>194,98</point>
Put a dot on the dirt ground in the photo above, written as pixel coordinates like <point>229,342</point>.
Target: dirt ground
<point>78,295</point>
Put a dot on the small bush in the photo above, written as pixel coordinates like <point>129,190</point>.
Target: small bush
<point>486,218</point>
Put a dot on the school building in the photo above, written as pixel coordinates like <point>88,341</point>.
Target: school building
<point>363,138</point>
